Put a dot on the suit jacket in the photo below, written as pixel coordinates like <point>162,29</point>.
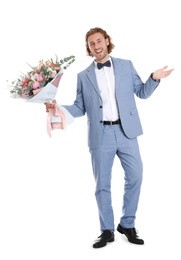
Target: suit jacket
<point>88,100</point>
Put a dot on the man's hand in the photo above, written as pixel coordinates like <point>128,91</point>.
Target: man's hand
<point>161,73</point>
<point>50,105</point>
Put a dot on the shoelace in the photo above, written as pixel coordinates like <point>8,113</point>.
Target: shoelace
<point>134,232</point>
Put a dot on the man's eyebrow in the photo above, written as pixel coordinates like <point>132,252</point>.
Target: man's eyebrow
<point>96,40</point>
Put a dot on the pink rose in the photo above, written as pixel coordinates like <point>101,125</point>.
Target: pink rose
<point>41,77</point>
<point>36,85</point>
<point>25,82</point>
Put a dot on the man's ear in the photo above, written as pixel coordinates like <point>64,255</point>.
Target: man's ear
<point>107,41</point>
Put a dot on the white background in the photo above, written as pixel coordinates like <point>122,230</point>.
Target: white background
<point>47,205</point>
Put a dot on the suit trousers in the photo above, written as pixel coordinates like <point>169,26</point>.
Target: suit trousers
<point>115,143</point>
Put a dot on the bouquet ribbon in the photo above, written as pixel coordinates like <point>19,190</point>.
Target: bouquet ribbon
<point>55,119</point>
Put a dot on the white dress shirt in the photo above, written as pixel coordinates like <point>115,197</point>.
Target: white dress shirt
<point>106,82</point>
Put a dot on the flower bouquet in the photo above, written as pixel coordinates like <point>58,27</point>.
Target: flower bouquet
<point>40,85</point>
<point>31,83</point>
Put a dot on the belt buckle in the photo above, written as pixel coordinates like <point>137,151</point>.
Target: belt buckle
<point>111,123</point>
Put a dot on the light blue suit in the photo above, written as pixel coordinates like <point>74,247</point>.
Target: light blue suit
<point>107,141</point>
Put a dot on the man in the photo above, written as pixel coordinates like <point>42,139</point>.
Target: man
<point>106,93</point>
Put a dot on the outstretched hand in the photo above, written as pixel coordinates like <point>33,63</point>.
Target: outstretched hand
<point>161,73</point>
<point>50,105</point>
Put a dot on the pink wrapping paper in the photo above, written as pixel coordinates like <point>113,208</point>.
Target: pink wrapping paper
<point>60,122</point>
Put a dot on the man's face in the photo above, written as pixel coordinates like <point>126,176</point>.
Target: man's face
<point>98,47</point>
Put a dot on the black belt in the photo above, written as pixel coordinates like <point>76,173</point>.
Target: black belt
<point>117,122</point>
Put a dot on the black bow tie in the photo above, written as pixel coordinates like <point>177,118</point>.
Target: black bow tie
<point>101,65</point>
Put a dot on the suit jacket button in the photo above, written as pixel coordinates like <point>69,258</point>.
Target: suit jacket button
<point>100,106</point>
<point>101,121</point>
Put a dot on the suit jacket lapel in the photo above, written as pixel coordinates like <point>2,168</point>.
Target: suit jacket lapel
<point>90,72</point>
<point>118,71</point>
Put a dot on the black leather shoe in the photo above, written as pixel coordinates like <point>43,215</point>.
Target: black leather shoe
<point>131,235</point>
<point>103,239</point>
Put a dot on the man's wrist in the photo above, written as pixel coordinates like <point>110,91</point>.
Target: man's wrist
<point>152,76</point>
